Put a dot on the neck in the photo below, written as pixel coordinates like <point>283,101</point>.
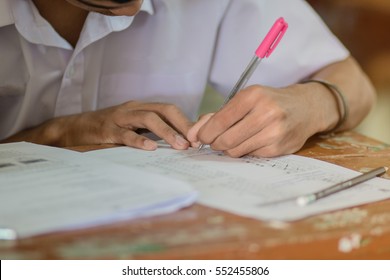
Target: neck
<point>67,19</point>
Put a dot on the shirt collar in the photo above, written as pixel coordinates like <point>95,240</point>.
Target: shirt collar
<point>108,24</point>
<point>36,30</point>
<point>147,6</point>
<point>119,23</point>
<point>6,17</point>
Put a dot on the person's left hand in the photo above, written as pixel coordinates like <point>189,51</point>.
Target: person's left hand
<point>261,121</point>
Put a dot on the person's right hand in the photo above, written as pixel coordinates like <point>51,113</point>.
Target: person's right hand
<point>114,125</point>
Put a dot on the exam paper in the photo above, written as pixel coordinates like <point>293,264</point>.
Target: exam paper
<point>251,186</point>
<point>45,189</point>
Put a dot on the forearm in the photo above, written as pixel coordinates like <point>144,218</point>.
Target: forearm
<point>114,125</point>
<point>52,133</point>
<point>356,88</point>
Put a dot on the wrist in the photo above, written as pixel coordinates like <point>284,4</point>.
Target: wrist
<point>52,132</point>
<point>322,107</point>
<point>339,103</point>
<point>47,133</point>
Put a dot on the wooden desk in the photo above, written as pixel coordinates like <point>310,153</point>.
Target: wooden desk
<point>200,232</point>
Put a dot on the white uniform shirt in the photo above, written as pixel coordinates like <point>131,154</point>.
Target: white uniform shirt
<point>166,53</point>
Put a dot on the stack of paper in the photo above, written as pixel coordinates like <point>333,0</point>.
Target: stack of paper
<point>45,189</point>
<point>255,187</point>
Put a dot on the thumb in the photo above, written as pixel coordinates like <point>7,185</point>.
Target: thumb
<point>192,134</point>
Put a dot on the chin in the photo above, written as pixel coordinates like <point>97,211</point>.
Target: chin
<point>130,10</point>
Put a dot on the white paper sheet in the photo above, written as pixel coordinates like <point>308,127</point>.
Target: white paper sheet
<point>44,189</point>
<point>244,186</point>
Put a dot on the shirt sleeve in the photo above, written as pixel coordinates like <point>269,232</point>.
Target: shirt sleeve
<point>308,44</point>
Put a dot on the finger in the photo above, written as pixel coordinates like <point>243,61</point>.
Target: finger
<point>177,119</point>
<point>266,137</point>
<point>276,139</point>
<point>171,114</point>
<point>155,124</point>
<point>284,146</point>
<point>246,128</point>
<point>192,134</point>
<point>132,139</point>
<point>231,113</point>
<point>138,119</point>
<point>273,150</point>
<point>267,151</point>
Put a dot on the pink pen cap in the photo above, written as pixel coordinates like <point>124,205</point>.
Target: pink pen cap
<point>272,39</point>
<point>264,50</point>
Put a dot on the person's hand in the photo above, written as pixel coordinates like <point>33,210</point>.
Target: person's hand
<point>114,125</point>
<point>264,121</point>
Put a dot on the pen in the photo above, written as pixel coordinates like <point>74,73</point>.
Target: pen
<point>310,198</point>
<point>267,46</point>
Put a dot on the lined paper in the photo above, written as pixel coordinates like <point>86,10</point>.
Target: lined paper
<point>261,188</point>
<point>45,189</point>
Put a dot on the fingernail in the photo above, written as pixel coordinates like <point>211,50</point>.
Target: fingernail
<point>181,141</point>
<point>149,145</point>
<point>195,144</point>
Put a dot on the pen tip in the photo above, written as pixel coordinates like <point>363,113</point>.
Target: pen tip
<point>386,168</point>
<point>201,146</point>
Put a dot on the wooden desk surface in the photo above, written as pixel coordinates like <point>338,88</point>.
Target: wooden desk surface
<point>199,232</point>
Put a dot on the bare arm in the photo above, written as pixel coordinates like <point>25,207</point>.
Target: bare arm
<point>270,122</point>
<point>357,88</point>
<point>115,125</point>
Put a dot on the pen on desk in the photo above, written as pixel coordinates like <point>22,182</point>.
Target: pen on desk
<point>267,46</point>
<point>310,198</point>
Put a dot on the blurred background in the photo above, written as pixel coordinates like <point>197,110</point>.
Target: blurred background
<point>364,28</point>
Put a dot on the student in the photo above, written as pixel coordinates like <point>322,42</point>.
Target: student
<point>79,72</point>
